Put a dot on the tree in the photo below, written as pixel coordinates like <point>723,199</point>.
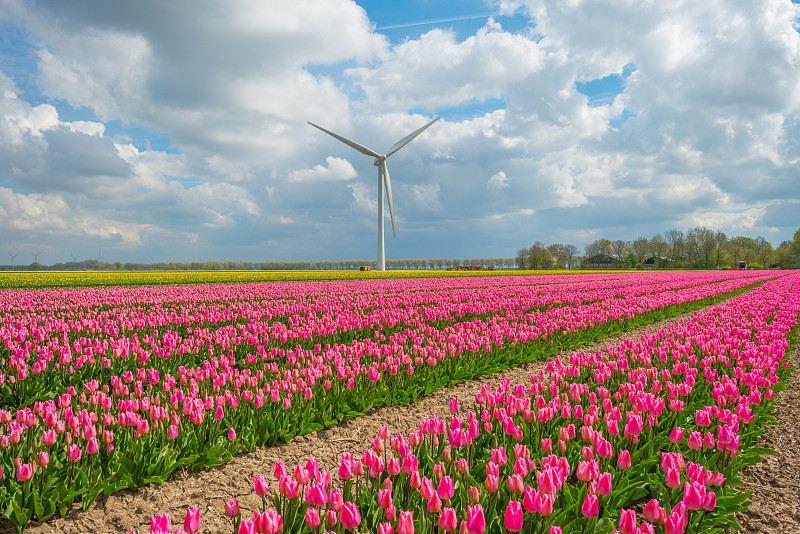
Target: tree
<point>743,248</point>
<point>794,247</point>
<point>570,252</point>
<point>764,247</point>
<point>599,246</point>
<point>691,245</point>
<point>719,241</point>
<point>675,242</point>
<point>548,260</point>
<point>556,250</point>
<point>640,247</point>
<point>536,255</point>
<point>659,247</point>
<point>522,258</point>
<point>782,256</point>
<point>619,248</point>
<point>705,242</point>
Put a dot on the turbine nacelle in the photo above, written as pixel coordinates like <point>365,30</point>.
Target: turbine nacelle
<point>383,178</point>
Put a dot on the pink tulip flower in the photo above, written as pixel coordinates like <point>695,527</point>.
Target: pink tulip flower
<point>350,516</point>
<point>591,506</point>
<point>446,488</point>
<point>476,522</point>
<point>603,484</point>
<point>694,495</point>
<point>710,501</point>
<point>247,526</point>
<point>627,522</point>
<point>25,472</point>
<point>434,504</point>
<point>673,478</point>
<point>312,518</point>
<point>232,508</point>
<point>447,520</point>
<point>160,524</point>
<point>192,522</point>
<point>654,512</point>
<point>674,523</point>
<point>513,516</point>
<point>624,460</point>
<point>405,524</point>
<point>260,484</point>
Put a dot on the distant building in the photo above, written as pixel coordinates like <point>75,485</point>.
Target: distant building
<point>653,262</point>
<point>603,261</point>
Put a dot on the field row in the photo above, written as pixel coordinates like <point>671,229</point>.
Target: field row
<point>108,388</point>
<point>70,279</point>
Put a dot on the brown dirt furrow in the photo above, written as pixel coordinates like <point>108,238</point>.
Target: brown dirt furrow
<point>125,511</point>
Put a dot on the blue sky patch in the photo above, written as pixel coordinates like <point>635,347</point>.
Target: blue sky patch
<point>617,122</point>
<point>187,182</point>
<point>602,91</point>
<point>18,58</point>
<point>465,110</point>
<point>142,138</point>
<point>410,19</point>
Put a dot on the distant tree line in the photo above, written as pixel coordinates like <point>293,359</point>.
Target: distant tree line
<point>541,256</point>
<point>425,263</point>
<point>697,248</point>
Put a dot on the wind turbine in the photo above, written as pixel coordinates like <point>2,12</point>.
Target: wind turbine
<point>383,179</point>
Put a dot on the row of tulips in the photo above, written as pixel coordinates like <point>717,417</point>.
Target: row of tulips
<point>112,388</point>
<point>48,279</point>
<point>646,437</point>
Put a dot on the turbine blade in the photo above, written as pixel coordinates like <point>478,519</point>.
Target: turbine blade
<point>384,170</point>
<point>361,148</point>
<point>407,139</point>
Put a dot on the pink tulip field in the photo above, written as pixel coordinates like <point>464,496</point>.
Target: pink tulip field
<point>109,388</point>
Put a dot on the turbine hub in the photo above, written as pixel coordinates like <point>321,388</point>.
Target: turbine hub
<point>377,161</point>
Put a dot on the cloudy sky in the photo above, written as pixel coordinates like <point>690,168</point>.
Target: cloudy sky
<point>156,131</point>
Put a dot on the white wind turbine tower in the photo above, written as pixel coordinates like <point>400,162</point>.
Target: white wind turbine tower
<point>383,179</point>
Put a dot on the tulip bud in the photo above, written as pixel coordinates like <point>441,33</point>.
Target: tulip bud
<point>513,516</point>
<point>312,518</point>
<point>232,508</point>
<point>624,460</point>
<point>260,485</point>
<point>24,472</point>
<point>590,506</point>
<point>627,522</point>
<point>192,522</point>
